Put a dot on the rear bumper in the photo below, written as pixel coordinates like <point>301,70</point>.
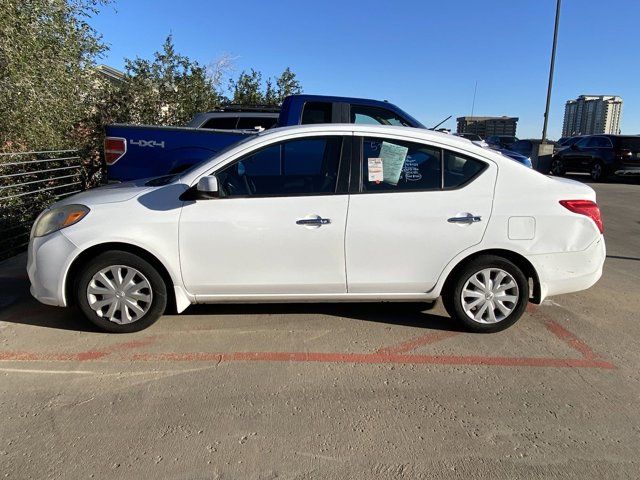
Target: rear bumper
<point>569,271</point>
<point>628,172</point>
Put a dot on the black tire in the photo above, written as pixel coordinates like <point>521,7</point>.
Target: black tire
<point>557,167</point>
<point>452,296</point>
<point>598,171</point>
<point>155,308</point>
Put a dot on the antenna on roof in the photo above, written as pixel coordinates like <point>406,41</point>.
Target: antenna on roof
<point>473,103</point>
<point>433,128</point>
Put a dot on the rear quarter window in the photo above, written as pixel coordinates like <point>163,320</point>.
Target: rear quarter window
<point>460,169</point>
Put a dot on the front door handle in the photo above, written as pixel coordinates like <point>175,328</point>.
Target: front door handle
<point>465,219</point>
<point>313,222</point>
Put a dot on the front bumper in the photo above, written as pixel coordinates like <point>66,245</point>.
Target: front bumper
<point>48,261</point>
<point>568,272</point>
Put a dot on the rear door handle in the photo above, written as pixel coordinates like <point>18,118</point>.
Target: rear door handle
<point>313,222</point>
<point>466,219</point>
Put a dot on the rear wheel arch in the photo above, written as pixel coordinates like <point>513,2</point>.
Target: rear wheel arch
<point>519,260</point>
<point>91,252</point>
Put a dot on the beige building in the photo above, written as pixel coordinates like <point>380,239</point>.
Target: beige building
<point>487,126</point>
<point>592,114</point>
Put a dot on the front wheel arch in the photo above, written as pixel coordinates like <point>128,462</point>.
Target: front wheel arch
<point>519,260</point>
<point>93,251</point>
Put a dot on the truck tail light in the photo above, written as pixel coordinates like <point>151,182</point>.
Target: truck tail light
<point>587,208</point>
<point>114,149</point>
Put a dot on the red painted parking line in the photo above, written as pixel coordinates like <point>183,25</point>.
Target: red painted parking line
<point>410,345</point>
<point>79,356</point>
<point>398,354</point>
<point>570,339</point>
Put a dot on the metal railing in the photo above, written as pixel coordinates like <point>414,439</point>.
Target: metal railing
<point>29,182</point>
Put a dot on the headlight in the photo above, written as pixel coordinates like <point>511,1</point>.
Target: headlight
<point>58,217</point>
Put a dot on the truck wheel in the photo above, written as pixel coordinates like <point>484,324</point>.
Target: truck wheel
<point>488,294</point>
<point>120,292</point>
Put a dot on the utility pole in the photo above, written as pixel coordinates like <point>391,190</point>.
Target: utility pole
<point>553,61</point>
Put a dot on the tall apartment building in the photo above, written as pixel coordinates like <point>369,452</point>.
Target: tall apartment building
<point>487,126</point>
<point>592,114</point>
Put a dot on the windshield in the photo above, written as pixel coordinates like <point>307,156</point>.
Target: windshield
<point>167,179</point>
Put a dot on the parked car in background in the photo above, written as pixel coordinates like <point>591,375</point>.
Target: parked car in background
<point>323,213</point>
<point>140,151</point>
<point>515,156</point>
<point>565,142</point>
<point>600,155</point>
<point>474,137</point>
<point>500,141</point>
<point>234,117</point>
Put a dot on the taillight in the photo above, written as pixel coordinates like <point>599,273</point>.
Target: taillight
<point>587,208</point>
<point>114,149</point>
<point>623,154</point>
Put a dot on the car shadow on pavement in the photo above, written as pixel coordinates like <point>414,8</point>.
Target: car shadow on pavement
<point>17,306</point>
<point>392,313</point>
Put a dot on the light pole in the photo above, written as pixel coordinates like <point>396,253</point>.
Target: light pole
<point>553,61</point>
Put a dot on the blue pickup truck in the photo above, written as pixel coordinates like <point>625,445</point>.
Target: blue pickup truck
<point>133,151</point>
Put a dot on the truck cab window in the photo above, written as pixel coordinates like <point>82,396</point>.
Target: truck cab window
<point>375,116</point>
<point>316,112</point>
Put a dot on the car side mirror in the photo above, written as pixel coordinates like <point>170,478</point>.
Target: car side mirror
<point>208,187</point>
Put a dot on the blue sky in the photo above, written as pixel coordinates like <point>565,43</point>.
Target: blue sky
<point>425,56</point>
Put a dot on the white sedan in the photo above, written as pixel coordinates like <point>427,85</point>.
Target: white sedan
<point>323,213</point>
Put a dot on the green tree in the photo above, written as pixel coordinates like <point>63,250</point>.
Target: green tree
<point>47,52</point>
<point>248,88</point>
<point>287,84</point>
<point>169,90</point>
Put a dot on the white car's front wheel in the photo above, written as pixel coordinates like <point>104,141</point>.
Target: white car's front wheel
<point>488,294</point>
<point>120,292</point>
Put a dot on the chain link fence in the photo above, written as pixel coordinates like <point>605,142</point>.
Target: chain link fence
<point>29,182</point>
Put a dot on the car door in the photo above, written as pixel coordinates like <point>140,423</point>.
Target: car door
<point>573,155</point>
<point>277,227</point>
<point>415,208</point>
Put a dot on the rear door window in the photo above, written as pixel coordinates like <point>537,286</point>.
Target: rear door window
<point>394,165</point>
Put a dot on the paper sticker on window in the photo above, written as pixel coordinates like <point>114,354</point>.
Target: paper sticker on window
<point>393,157</point>
<point>375,170</point>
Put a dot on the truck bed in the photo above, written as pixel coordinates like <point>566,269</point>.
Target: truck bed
<point>152,151</point>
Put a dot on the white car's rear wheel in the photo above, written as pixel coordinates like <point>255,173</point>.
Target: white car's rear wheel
<point>488,294</point>
<point>120,292</point>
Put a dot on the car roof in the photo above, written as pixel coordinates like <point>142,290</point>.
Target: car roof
<point>444,140</point>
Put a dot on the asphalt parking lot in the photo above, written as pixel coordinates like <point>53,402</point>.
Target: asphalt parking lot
<point>331,391</point>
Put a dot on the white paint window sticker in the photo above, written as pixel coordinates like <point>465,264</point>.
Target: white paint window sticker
<point>375,168</point>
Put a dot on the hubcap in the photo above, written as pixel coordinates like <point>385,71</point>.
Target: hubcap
<point>557,167</point>
<point>597,171</point>
<point>490,295</point>
<point>119,294</point>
